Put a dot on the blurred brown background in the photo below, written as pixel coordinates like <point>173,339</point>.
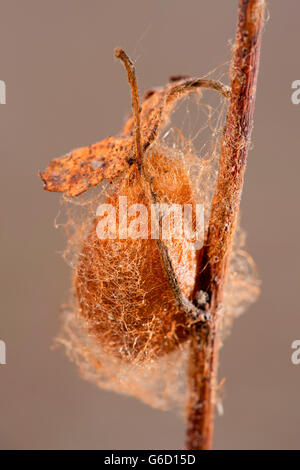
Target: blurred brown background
<point>64,90</point>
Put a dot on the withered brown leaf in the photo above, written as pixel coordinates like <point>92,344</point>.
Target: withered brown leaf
<point>87,166</point>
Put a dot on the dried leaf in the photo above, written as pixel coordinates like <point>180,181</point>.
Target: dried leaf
<point>87,166</point>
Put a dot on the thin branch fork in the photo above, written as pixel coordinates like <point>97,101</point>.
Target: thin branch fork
<point>194,313</point>
<point>175,93</point>
<point>213,258</point>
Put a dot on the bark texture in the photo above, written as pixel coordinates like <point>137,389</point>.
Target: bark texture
<point>213,258</point>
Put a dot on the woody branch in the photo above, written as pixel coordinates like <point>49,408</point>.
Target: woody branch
<point>213,258</point>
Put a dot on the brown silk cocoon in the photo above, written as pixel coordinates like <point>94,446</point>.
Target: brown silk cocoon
<point>121,325</point>
<point>121,286</point>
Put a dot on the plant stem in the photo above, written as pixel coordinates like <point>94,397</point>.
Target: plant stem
<point>213,258</point>
<point>135,99</point>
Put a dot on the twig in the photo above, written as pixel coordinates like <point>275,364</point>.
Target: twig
<point>193,312</point>
<point>213,258</point>
<point>194,83</point>
<point>130,69</point>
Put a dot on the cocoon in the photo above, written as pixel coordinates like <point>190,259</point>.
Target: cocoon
<point>121,285</point>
